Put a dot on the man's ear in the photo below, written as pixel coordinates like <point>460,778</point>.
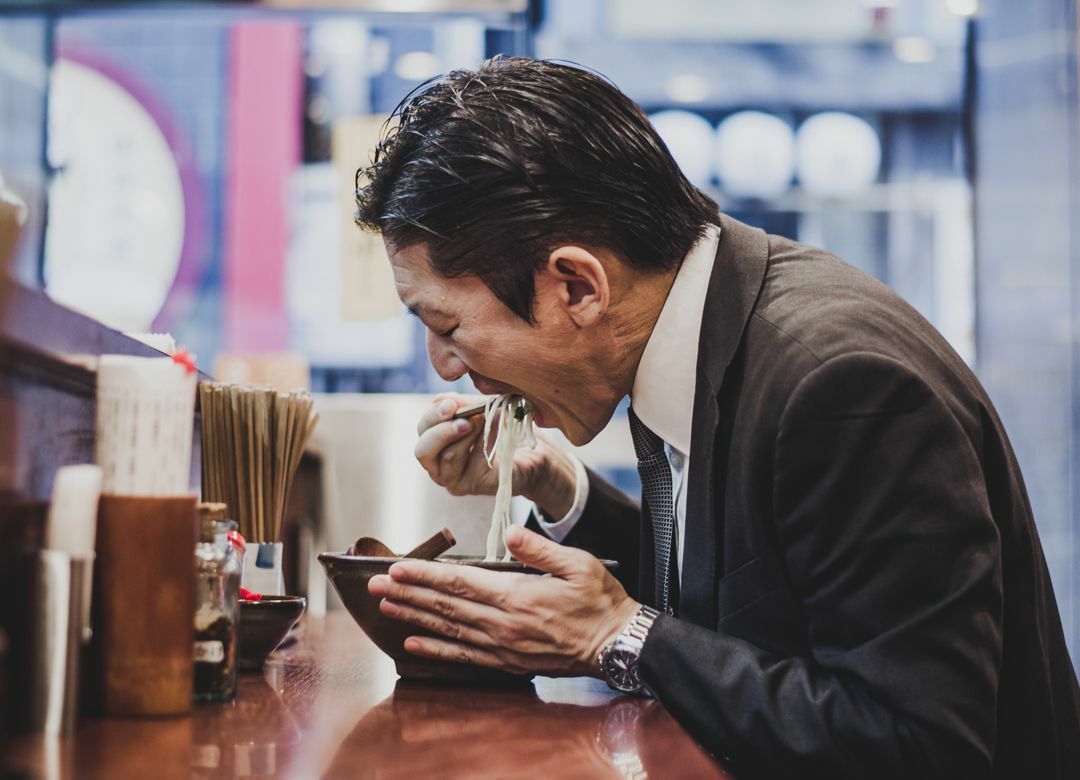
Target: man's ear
<point>580,283</point>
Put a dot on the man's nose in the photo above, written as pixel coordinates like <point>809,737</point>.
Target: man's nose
<point>446,362</point>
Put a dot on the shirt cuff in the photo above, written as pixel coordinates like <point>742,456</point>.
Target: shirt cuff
<point>559,529</point>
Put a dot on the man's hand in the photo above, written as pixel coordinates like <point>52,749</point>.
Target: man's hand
<point>452,453</point>
<point>553,625</point>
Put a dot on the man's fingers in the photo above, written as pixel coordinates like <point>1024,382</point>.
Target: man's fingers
<point>449,449</point>
<point>456,652</point>
<point>456,455</point>
<point>467,582</point>
<point>435,602</point>
<point>445,650</point>
<point>436,623</point>
<point>441,410</point>
<point>443,407</point>
<point>542,553</point>
<point>433,441</point>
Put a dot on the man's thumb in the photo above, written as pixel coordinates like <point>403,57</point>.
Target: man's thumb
<point>538,551</point>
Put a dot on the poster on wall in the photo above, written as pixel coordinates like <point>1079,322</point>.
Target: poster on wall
<point>367,283</point>
<point>117,205</point>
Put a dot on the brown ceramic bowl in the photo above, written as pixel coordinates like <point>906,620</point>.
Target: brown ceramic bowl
<point>350,575</point>
<point>264,625</point>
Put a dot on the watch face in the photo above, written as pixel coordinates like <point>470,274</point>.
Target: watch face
<point>621,670</point>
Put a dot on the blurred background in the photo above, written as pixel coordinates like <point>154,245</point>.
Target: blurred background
<point>189,167</point>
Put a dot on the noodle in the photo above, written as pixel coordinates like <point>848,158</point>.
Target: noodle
<point>515,426</point>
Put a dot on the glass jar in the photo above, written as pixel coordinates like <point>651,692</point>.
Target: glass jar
<point>217,594</point>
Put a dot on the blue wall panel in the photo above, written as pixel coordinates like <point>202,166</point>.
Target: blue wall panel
<point>1027,257</point>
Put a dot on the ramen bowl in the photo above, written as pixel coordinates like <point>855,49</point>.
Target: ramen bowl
<point>350,574</point>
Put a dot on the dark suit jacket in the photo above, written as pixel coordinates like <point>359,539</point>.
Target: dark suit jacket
<point>863,591</point>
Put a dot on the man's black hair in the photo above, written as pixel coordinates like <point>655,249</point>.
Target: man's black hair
<point>493,168</point>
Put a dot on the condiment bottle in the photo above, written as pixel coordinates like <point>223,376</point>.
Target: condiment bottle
<point>217,593</point>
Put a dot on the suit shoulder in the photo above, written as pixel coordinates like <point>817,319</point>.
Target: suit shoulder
<point>831,308</point>
<point>861,385</point>
<point>814,309</point>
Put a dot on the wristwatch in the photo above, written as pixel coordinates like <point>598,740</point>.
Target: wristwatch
<point>619,660</point>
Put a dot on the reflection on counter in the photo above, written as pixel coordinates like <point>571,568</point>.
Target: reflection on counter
<point>419,731</point>
<point>331,706</point>
<point>243,739</point>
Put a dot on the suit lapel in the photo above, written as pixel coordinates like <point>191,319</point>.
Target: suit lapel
<point>738,273</point>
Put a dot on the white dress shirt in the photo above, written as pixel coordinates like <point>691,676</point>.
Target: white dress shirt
<point>663,391</point>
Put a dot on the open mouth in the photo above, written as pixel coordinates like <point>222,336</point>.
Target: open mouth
<point>491,387</point>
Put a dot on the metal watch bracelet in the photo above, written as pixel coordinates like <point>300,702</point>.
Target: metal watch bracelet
<point>638,628</point>
<point>631,639</point>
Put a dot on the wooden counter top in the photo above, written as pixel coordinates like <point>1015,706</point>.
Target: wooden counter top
<point>331,706</point>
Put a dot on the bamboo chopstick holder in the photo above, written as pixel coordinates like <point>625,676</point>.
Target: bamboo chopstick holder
<point>253,439</point>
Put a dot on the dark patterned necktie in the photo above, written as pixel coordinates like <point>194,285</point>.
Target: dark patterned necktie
<point>656,489</point>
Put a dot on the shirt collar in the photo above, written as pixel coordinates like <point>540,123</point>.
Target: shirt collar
<point>663,391</point>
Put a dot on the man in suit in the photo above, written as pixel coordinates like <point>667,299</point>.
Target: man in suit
<point>834,571</point>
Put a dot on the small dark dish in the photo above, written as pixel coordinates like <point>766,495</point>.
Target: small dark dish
<point>350,575</point>
<point>263,626</point>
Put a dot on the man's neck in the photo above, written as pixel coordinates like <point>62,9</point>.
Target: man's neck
<point>633,319</point>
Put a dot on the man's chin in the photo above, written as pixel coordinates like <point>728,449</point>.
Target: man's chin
<point>578,436</point>
<point>574,432</point>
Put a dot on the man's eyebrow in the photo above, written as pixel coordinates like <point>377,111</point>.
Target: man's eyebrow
<point>421,311</point>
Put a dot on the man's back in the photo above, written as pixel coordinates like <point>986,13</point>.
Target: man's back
<point>833,310</point>
<point>863,592</point>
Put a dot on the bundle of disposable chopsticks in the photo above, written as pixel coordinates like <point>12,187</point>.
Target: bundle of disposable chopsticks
<point>252,441</point>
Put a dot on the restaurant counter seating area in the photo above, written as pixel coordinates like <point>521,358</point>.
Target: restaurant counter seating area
<point>458,388</point>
